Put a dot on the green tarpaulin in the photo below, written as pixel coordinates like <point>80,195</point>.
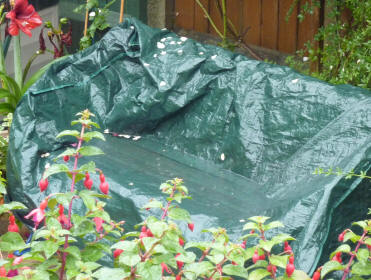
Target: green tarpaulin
<point>245,135</point>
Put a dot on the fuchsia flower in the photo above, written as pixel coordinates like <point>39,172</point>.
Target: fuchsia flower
<point>38,214</point>
<point>24,17</point>
<point>62,219</point>
<point>12,225</point>
<point>98,223</point>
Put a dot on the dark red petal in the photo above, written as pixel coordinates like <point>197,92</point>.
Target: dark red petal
<point>13,29</point>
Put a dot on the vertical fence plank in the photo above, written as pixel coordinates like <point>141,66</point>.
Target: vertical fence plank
<point>308,28</point>
<point>287,29</point>
<point>251,19</point>
<point>269,24</point>
<point>234,13</point>
<point>184,14</point>
<point>201,22</point>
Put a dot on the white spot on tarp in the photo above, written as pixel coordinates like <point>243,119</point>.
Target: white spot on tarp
<point>145,64</point>
<point>201,53</point>
<point>305,58</point>
<point>136,138</point>
<point>163,53</point>
<point>45,155</point>
<point>131,26</point>
<point>222,157</point>
<point>106,131</point>
<point>214,56</point>
<point>163,39</point>
<point>179,43</point>
<point>172,43</point>
<point>163,29</point>
<point>242,221</point>
<point>180,51</point>
<point>127,136</point>
<point>131,184</point>
<point>295,81</point>
<point>160,45</point>
<point>155,55</point>
<point>183,39</point>
<point>162,83</point>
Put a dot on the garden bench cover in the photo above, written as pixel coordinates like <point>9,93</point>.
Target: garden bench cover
<point>244,135</point>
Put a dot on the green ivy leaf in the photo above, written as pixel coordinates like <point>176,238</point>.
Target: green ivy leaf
<point>179,214</point>
<point>258,274</point>
<point>54,169</point>
<point>73,133</point>
<point>329,267</point>
<point>90,151</point>
<point>50,248</point>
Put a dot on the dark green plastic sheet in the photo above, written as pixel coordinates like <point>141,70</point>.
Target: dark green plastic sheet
<point>193,106</point>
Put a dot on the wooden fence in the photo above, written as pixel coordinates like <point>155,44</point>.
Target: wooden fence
<point>264,19</point>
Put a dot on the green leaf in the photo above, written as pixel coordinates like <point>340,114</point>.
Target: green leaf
<point>345,248</point>
<point>93,134</point>
<point>363,255</point>
<point>90,151</point>
<point>64,198</point>
<point>130,258</point>
<point>64,133</point>
<point>279,261</point>
<point>274,224</point>
<point>187,257</point>
<point>350,235</point>
<point>153,204</point>
<point>368,241</point>
<point>50,248</point>
<point>40,275</point>
<point>179,214</point>
<point>194,270</point>
<point>157,227</point>
<point>14,205</point>
<point>235,270</point>
<point>11,241</point>
<point>258,274</point>
<point>329,267</point>
<point>105,273</point>
<point>362,268</point>
<point>67,152</point>
<point>88,199</point>
<point>259,219</point>
<point>282,237</point>
<point>297,275</point>
<point>83,228</point>
<point>6,108</point>
<point>92,253</point>
<point>266,244</point>
<point>88,167</point>
<point>54,169</point>
<point>73,251</point>
<point>361,224</point>
<point>149,271</point>
<point>250,225</point>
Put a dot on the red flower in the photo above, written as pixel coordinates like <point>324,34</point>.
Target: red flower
<point>38,214</point>
<point>12,225</point>
<point>98,223</point>
<point>24,17</point>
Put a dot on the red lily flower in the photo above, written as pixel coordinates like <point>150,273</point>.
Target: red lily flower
<point>24,17</point>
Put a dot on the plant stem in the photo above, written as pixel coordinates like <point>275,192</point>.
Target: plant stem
<point>122,10</point>
<point>17,61</point>
<point>209,18</point>
<point>225,20</point>
<point>86,19</point>
<point>346,271</point>
<point>61,274</point>
<point>168,205</point>
<point>2,65</point>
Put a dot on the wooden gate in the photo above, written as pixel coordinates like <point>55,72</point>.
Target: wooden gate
<point>264,19</point>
